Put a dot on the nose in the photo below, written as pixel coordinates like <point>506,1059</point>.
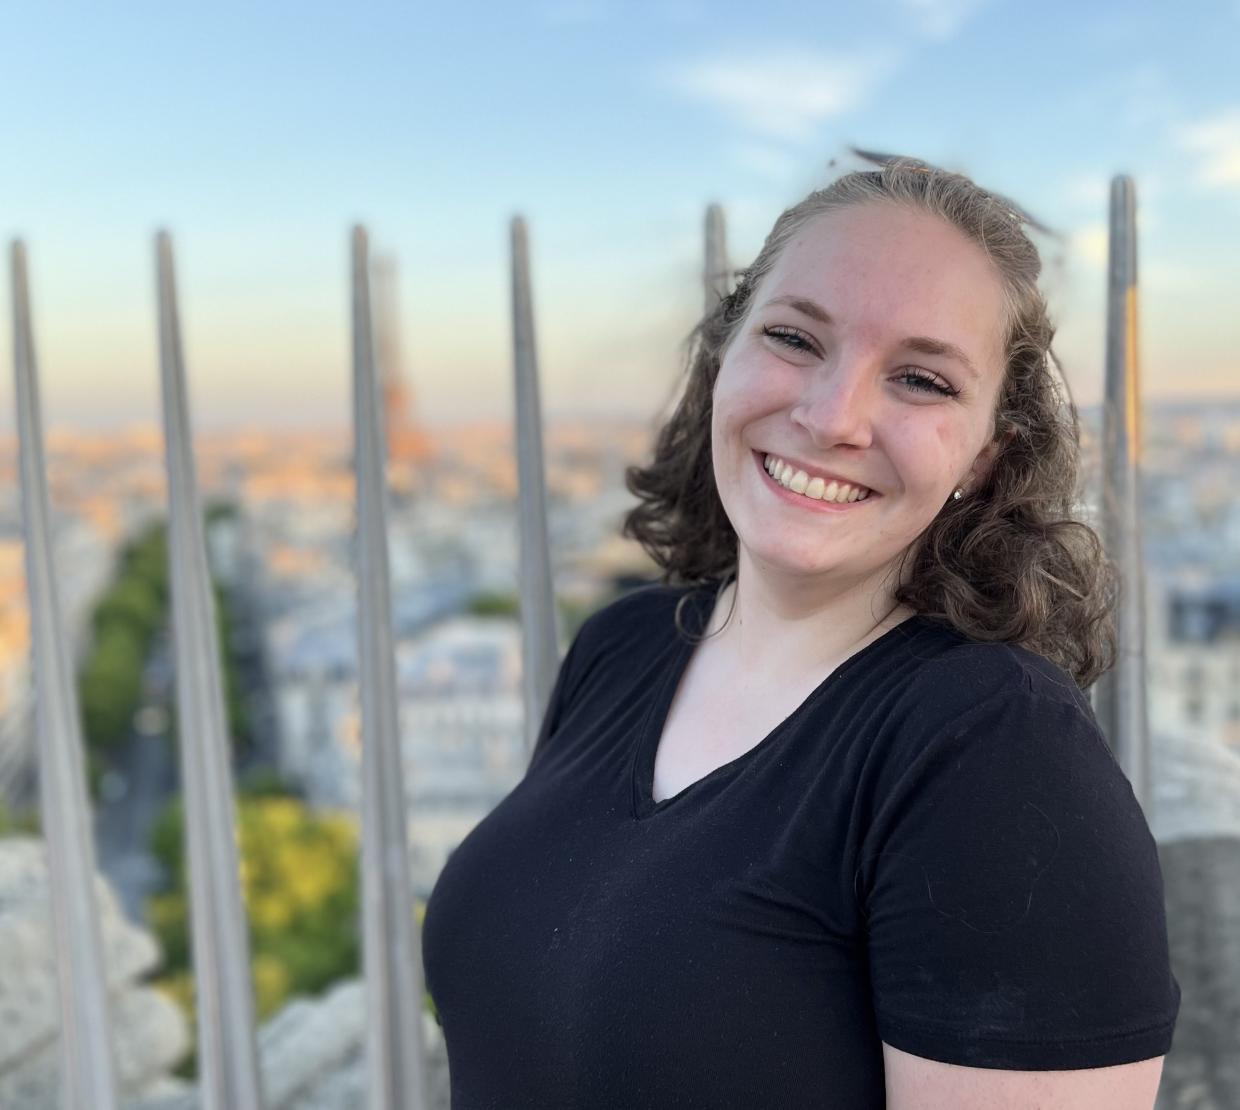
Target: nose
<point>836,407</point>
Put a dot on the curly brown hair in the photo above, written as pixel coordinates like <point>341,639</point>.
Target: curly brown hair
<point>1010,563</point>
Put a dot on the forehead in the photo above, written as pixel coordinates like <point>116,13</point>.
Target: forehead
<point>885,272</point>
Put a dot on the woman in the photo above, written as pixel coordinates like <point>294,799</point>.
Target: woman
<point>826,819</point>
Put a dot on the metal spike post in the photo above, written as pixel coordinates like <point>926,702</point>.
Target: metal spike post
<point>1120,695</point>
<point>395,1049</point>
<point>715,275</point>
<point>227,1056</point>
<point>87,1073</point>
<point>539,619</point>
<point>389,361</point>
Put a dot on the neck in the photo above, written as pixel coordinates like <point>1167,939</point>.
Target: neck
<point>790,625</point>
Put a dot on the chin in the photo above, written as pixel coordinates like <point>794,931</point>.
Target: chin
<point>808,563</point>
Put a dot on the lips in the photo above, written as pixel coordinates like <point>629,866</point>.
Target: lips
<point>801,501</point>
<point>813,472</point>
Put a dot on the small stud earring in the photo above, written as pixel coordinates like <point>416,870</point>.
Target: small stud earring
<point>958,494</point>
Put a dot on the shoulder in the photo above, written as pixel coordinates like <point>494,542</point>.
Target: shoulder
<point>977,669</point>
<point>623,633</point>
<point>993,763</point>
<point>639,601</point>
<point>619,636</point>
<point>639,615</point>
<point>991,726</point>
<point>948,671</point>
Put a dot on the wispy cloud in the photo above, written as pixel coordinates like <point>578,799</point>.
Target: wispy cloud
<point>782,94</point>
<point>940,19</point>
<point>1217,142</point>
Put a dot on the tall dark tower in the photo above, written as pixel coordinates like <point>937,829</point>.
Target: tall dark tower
<point>406,443</point>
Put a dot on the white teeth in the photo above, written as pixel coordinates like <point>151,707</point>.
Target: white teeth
<point>819,489</point>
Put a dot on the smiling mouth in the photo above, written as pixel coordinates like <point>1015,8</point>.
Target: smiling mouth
<point>796,483</point>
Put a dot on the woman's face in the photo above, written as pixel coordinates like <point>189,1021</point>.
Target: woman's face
<point>872,354</point>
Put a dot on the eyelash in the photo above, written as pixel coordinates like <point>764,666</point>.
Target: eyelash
<point>799,342</point>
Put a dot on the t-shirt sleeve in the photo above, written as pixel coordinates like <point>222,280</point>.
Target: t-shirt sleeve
<point>1013,897</point>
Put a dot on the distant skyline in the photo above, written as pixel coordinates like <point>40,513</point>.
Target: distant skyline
<point>258,133</point>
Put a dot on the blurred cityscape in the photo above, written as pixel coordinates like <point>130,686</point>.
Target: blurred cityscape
<point>280,535</point>
<point>282,552</point>
<point>282,555</point>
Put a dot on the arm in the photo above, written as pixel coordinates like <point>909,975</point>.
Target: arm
<point>917,1084</point>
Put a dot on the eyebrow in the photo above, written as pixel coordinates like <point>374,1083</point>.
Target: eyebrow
<point>921,343</point>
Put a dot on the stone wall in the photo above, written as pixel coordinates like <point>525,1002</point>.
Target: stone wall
<point>312,1056</point>
<point>1195,817</point>
<point>311,1053</point>
<point>150,1034</point>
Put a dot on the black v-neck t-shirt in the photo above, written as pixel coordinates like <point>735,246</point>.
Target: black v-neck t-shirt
<point>936,849</point>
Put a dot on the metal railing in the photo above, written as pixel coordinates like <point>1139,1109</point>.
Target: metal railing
<point>229,1073</point>
<point>228,1056</point>
<point>1120,694</point>
<point>87,1072</point>
<point>395,1054</point>
<point>539,619</point>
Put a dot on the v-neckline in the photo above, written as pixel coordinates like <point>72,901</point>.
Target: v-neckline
<point>655,720</point>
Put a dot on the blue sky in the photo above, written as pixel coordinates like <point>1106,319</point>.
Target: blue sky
<point>258,133</point>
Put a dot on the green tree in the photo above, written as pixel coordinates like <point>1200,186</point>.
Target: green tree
<point>572,613</point>
<point>19,822</point>
<point>300,883</point>
<point>110,686</point>
<point>133,603</point>
<point>146,558</point>
<point>215,512</point>
<point>237,716</point>
<point>494,605</point>
<point>299,874</point>
<point>125,622</point>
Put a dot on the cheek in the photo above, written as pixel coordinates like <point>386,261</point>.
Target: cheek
<point>745,391</point>
<point>948,435</point>
<point>732,412</point>
<point>728,404</point>
<point>929,449</point>
<point>719,407</point>
<point>726,382</point>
